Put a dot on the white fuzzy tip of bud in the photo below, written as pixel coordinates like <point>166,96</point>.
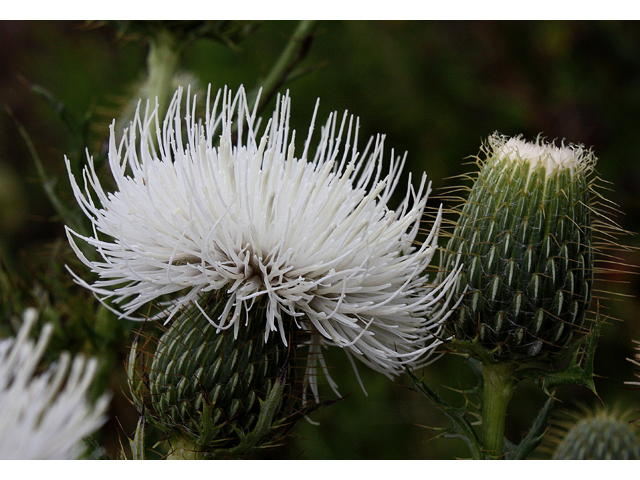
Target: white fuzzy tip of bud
<point>543,154</point>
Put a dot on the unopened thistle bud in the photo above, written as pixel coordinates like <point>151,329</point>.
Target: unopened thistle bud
<point>524,237</point>
<point>595,435</point>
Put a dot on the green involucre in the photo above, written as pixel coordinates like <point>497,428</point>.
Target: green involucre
<point>600,438</point>
<point>525,240</point>
<point>208,387</point>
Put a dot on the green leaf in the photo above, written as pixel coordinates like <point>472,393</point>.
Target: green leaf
<point>533,438</point>
<point>460,426</point>
<point>78,127</point>
<point>573,373</point>
<point>70,217</point>
<point>137,444</point>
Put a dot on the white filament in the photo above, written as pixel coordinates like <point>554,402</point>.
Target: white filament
<point>199,208</point>
<point>46,415</point>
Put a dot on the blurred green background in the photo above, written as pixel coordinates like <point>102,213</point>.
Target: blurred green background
<point>436,89</point>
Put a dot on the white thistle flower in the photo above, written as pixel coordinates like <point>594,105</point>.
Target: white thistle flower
<point>44,416</point>
<point>313,238</point>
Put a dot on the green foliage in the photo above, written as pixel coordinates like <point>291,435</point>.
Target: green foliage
<point>461,418</point>
<point>465,420</point>
<point>227,32</point>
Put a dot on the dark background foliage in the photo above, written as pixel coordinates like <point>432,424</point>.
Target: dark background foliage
<point>436,89</point>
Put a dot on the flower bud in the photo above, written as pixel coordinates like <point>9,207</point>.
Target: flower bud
<point>599,435</point>
<point>211,388</point>
<point>524,238</point>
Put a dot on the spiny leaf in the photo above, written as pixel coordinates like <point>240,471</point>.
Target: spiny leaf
<point>573,373</point>
<point>70,217</point>
<point>535,435</point>
<point>460,426</point>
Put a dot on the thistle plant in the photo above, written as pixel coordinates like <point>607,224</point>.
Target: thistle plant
<point>254,255</point>
<point>525,240</point>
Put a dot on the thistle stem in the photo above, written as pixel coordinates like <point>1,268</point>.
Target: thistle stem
<point>162,64</point>
<point>498,389</point>
<point>291,55</point>
<point>184,450</point>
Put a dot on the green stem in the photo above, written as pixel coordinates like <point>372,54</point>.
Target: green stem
<point>162,64</point>
<point>293,53</point>
<point>498,389</point>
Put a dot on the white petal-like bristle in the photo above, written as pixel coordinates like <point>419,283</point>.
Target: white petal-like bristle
<point>543,154</point>
<point>45,416</point>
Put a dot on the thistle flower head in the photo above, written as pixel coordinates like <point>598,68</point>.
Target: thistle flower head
<point>524,237</point>
<point>46,415</point>
<point>218,208</point>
